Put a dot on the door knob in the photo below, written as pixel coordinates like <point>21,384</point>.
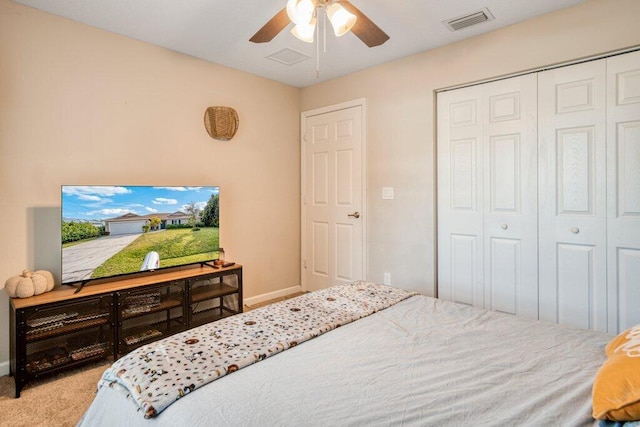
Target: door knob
<point>355,215</point>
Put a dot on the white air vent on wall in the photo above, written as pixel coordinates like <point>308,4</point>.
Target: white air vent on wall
<point>469,20</point>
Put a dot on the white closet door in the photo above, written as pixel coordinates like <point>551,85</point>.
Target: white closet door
<point>487,197</point>
<point>510,196</point>
<point>572,198</point>
<point>623,168</point>
<point>460,196</point>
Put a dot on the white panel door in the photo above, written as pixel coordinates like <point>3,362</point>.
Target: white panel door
<point>623,180</point>
<point>333,197</point>
<point>460,196</point>
<point>572,196</point>
<point>487,196</point>
<point>510,196</point>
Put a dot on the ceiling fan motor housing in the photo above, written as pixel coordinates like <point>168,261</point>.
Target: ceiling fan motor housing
<point>343,15</point>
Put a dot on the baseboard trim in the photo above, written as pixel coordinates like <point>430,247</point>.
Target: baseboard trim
<point>272,295</point>
<point>4,368</point>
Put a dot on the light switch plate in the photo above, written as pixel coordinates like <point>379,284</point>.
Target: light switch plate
<point>387,193</point>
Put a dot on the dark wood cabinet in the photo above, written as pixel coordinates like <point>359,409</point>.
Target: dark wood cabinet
<point>48,338</point>
<point>63,329</point>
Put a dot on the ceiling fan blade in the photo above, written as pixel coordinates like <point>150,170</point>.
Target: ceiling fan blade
<point>271,28</point>
<point>364,28</point>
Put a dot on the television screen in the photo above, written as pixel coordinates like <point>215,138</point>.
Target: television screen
<point>114,230</point>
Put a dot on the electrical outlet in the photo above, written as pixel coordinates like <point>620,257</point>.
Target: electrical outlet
<point>387,279</point>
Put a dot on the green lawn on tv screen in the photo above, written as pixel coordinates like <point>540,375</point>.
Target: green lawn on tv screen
<point>175,247</point>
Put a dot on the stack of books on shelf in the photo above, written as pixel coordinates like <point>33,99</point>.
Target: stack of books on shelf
<point>89,351</point>
<point>48,359</point>
<point>142,336</point>
<point>141,303</point>
<point>42,325</point>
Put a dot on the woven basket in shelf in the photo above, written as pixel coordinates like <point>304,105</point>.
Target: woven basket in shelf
<point>221,122</point>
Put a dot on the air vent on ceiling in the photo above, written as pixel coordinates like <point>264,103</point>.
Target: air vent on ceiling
<point>288,56</point>
<point>469,20</point>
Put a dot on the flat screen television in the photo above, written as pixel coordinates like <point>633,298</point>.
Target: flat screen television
<point>110,231</point>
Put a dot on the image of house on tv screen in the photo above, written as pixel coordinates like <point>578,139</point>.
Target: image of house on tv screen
<point>114,230</point>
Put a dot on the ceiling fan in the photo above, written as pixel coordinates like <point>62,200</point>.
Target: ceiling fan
<point>343,15</point>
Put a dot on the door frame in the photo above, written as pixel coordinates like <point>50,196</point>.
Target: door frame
<point>360,102</point>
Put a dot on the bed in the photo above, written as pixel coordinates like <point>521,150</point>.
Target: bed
<point>420,361</point>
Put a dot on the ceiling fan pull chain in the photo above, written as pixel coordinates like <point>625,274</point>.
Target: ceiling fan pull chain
<point>318,54</point>
<point>324,30</point>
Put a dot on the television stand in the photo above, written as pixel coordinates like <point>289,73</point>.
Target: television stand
<point>61,329</point>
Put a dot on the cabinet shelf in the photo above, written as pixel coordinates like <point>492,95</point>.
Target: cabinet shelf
<point>64,363</point>
<point>212,291</point>
<point>148,333</point>
<point>202,317</point>
<point>39,334</point>
<point>167,304</point>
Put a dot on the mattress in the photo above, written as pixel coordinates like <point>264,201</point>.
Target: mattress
<point>422,362</point>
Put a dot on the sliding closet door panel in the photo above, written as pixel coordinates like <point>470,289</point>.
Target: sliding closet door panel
<point>626,288</point>
<point>464,171</point>
<point>623,169</point>
<point>464,273</point>
<point>510,196</point>
<point>487,196</point>
<point>572,196</point>
<point>460,198</point>
<point>505,274</point>
<point>576,276</point>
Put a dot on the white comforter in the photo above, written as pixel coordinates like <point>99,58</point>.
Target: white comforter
<point>420,362</point>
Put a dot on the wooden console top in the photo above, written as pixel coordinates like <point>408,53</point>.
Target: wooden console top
<point>67,292</point>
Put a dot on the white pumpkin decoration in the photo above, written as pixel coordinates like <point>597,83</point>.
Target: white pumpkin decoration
<point>29,284</point>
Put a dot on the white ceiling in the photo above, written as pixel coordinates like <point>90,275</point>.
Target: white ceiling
<point>218,31</point>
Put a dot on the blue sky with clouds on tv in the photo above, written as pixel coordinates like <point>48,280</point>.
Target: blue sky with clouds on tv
<point>101,202</point>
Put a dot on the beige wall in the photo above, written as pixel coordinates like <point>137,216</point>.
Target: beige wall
<point>401,119</point>
<point>80,105</point>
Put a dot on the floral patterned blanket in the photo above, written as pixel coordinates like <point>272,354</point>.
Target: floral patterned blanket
<point>159,373</point>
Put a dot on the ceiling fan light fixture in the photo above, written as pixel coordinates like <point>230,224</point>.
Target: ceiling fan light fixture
<point>341,19</point>
<point>305,32</point>
<point>301,12</point>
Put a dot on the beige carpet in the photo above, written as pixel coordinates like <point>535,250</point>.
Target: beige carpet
<point>59,400</point>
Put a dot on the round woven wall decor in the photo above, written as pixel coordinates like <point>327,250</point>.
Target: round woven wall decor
<point>221,122</point>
